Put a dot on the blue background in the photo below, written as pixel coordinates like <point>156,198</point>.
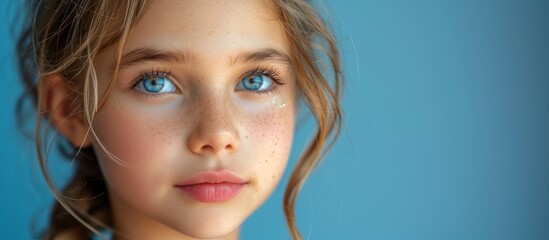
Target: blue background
<point>446,133</point>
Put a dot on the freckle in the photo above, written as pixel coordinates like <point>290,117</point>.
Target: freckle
<point>266,161</point>
<point>273,176</point>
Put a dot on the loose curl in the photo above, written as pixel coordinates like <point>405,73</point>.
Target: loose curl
<point>63,36</point>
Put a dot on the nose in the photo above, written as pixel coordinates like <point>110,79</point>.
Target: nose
<point>214,131</point>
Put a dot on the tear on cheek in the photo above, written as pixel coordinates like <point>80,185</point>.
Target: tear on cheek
<point>278,101</point>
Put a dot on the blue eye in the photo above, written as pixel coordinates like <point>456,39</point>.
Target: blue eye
<point>156,84</point>
<point>255,82</point>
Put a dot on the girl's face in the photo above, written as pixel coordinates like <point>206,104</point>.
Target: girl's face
<point>203,112</point>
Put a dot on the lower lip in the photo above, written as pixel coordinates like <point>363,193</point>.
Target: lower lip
<point>212,192</point>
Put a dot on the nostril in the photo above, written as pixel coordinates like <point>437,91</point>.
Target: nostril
<point>210,148</point>
<point>207,148</point>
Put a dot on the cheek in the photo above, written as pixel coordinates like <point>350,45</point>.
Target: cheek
<point>142,145</point>
<point>135,137</point>
<point>271,135</point>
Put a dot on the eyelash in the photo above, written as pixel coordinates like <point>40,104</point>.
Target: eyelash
<point>272,73</point>
<point>164,73</point>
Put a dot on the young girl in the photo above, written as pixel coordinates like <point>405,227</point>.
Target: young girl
<point>180,114</point>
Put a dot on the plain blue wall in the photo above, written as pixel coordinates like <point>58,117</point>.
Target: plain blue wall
<point>446,135</point>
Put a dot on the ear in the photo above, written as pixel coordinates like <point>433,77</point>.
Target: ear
<point>58,99</point>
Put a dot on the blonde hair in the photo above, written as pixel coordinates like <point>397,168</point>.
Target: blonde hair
<point>63,38</point>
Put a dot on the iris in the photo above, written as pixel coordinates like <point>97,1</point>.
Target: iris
<point>156,85</point>
<point>256,82</point>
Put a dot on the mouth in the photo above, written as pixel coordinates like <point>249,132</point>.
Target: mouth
<point>213,186</point>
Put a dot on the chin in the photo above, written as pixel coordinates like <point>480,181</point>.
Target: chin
<point>213,233</point>
<point>214,227</point>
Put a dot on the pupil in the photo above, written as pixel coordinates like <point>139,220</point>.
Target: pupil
<point>253,82</point>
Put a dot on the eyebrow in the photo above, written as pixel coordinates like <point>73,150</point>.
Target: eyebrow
<point>147,54</point>
<point>265,54</point>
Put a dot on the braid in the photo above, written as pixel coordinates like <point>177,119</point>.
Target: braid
<point>86,193</point>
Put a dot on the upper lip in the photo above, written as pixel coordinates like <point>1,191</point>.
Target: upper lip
<point>213,177</point>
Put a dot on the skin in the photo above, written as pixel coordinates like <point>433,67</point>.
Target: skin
<point>205,125</point>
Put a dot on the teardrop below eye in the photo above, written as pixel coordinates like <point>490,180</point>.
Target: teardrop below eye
<point>278,101</point>
<point>256,82</point>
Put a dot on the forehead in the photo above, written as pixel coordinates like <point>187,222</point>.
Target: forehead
<point>209,28</point>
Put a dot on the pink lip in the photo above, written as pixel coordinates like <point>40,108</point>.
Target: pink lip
<point>213,186</point>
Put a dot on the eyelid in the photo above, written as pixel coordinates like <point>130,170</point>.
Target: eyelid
<point>152,73</point>
<point>271,72</point>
